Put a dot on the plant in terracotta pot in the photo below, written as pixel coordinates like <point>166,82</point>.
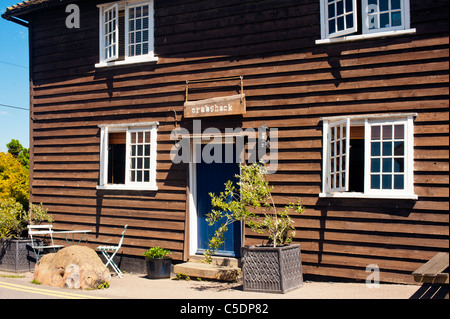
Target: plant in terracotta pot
<point>158,263</point>
<point>276,266</point>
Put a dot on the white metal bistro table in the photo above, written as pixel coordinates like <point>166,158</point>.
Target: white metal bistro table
<point>73,232</point>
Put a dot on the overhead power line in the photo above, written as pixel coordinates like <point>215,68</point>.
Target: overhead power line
<point>14,107</point>
<point>13,64</point>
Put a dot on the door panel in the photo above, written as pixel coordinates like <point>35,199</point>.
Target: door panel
<point>212,178</point>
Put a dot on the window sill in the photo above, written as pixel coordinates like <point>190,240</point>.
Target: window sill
<point>374,196</point>
<point>127,187</point>
<point>127,62</point>
<point>366,36</point>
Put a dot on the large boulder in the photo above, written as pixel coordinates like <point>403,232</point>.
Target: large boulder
<point>73,267</point>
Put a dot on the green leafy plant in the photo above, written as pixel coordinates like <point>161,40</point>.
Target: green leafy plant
<point>156,252</point>
<point>14,219</point>
<point>253,204</point>
<point>104,285</point>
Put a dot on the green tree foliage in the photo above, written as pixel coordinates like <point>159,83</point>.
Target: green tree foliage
<point>19,152</point>
<point>252,203</point>
<point>14,181</point>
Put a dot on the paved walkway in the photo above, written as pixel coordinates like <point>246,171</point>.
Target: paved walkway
<point>134,286</point>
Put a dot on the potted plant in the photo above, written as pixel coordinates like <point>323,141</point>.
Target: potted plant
<point>159,265</point>
<point>275,266</point>
<point>14,244</point>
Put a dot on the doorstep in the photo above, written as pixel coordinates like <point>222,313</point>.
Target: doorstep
<point>221,268</point>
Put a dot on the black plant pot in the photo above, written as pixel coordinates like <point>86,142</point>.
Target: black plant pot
<point>158,268</point>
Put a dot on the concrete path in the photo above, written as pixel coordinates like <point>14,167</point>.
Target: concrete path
<point>134,286</point>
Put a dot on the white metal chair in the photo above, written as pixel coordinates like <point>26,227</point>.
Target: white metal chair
<point>41,230</point>
<point>113,249</point>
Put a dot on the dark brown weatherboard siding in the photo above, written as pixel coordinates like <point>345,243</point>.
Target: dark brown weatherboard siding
<point>290,83</point>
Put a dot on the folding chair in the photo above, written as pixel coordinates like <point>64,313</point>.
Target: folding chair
<point>114,250</point>
<point>41,230</point>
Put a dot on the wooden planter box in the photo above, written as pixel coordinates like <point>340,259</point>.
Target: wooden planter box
<point>16,255</point>
<point>269,269</point>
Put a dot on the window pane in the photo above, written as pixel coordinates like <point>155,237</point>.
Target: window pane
<point>384,5</point>
<point>399,148</point>
<point>387,165</point>
<point>133,176</point>
<point>387,132</point>
<point>340,23</point>
<point>146,163</point>
<point>387,181</point>
<point>399,182</point>
<point>145,48</point>
<point>376,149</point>
<point>399,165</point>
<point>375,133</point>
<point>387,148</point>
<point>139,150</point>
<point>349,20</point>
<point>399,131</point>
<point>349,5</point>
<point>147,150</point>
<point>138,24</point>
<point>384,20</point>
<point>375,165</point>
<point>146,176</point>
<point>396,18</point>
<point>375,182</point>
<point>340,7</point>
<point>395,4</point>
<point>139,176</point>
<point>139,163</point>
<point>331,26</point>
<point>331,10</point>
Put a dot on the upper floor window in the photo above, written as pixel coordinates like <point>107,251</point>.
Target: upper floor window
<point>368,156</point>
<point>126,32</point>
<point>341,18</point>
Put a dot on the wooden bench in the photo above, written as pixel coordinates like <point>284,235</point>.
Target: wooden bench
<point>435,271</point>
<point>41,230</point>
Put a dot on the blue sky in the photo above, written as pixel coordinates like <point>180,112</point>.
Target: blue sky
<point>14,80</point>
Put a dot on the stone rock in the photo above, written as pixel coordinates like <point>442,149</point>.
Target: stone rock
<point>73,267</point>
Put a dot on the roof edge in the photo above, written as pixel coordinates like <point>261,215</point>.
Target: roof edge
<point>20,9</point>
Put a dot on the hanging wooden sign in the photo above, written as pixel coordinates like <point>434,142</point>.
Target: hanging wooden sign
<point>219,106</point>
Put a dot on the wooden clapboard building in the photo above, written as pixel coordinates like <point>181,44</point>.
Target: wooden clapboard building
<point>357,90</point>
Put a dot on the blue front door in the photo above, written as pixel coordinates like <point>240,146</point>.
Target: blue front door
<point>211,177</point>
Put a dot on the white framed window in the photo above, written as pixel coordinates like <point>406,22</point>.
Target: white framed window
<point>340,19</point>
<point>126,33</point>
<point>128,156</point>
<point>368,156</point>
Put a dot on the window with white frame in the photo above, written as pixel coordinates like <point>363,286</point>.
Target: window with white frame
<point>128,156</point>
<point>341,18</point>
<point>126,33</point>
<point>368,156</point>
